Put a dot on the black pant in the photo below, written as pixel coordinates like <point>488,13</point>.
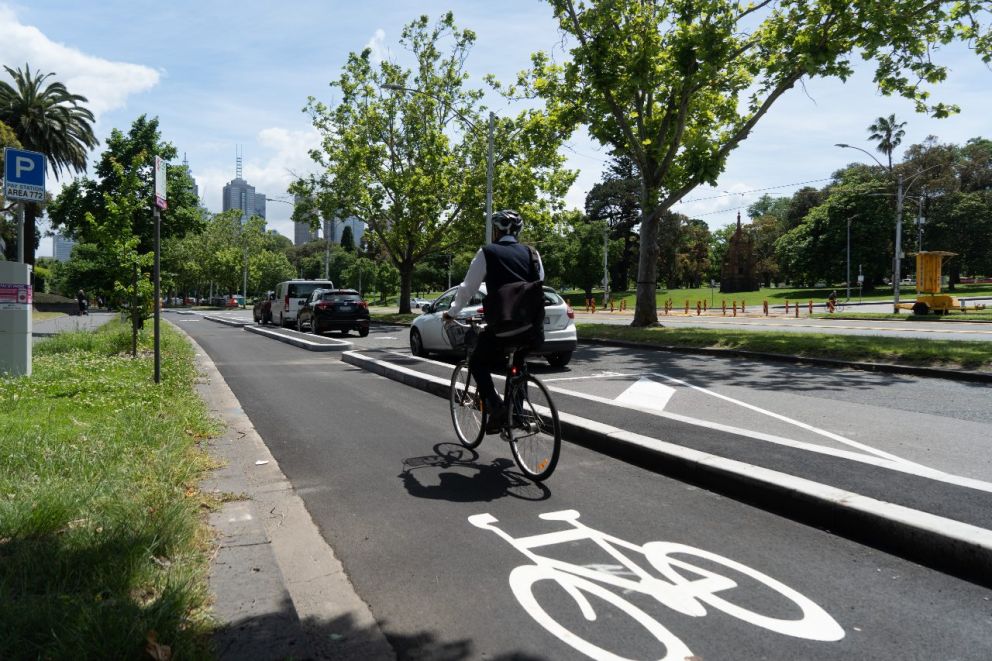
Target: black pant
<point>490,355</point>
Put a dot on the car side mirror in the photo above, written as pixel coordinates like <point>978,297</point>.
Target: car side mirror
<point>425,308</point>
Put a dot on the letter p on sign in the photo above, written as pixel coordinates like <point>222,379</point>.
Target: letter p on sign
<point>22,164</point>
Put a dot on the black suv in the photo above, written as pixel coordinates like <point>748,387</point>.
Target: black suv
<point>335,309</point>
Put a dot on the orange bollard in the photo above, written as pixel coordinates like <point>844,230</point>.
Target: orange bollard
<point>764,307</point>
<point>611,305</point>
<point>742,306</point>
<point>735,308</point>
<point>797,310</point>
<point>704,306</point>
<point>699,308</point>
<point>687,306</point>
<point>811,306</point>
<point>724,307</point>
<point>787,306</point>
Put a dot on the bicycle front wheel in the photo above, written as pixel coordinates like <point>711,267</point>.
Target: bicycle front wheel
<point>535,433</point>
<point>466,407</point>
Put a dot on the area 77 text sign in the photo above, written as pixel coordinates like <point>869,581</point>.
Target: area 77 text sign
<point>23,175</point>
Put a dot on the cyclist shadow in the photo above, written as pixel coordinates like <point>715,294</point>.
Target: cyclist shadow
<point>470,481</point>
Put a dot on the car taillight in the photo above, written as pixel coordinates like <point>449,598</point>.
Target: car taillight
<point>363,305</point>
<point>480,311</point>
<point>286,303</point>
<point>569,311</point>
<point>324,306</point>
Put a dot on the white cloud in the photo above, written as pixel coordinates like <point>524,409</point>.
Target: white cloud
<point>104,83</point>
<point>377,44</point>
<point>269,173</point>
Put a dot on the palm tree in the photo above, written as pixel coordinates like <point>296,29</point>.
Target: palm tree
<point>47,119</point>
<point>888,134</point>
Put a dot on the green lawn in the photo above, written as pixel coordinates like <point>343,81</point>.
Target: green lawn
<point>905,351</point>
<point>102,537</point>
<point>980,315</point>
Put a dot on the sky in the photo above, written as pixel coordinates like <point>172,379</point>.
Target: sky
<point>224,75</point>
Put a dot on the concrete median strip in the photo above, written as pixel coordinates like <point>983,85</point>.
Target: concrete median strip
<point>938,541</point>
<point>297,339</point>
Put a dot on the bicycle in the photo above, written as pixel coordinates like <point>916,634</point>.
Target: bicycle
<point>531,427</point>
<point>684,587</point>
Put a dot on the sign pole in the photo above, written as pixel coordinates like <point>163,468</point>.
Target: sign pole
<point>158,289</point>
<point>160,203</point>
<point>20,233</point>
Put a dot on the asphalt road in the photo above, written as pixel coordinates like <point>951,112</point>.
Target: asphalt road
<point>374,462</point>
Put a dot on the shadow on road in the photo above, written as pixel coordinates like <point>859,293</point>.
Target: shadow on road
<point>454,473</point>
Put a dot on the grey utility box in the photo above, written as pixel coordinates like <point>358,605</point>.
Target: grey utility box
<point>15,319</point>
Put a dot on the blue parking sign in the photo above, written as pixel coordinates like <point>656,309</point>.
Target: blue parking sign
<point>23,175</point>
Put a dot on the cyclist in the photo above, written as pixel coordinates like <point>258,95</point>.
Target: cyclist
<point>504,261</point>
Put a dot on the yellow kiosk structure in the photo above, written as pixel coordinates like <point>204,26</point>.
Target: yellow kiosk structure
<point>929,272</point>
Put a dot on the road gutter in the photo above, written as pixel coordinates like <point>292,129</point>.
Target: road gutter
<point>945,544</point>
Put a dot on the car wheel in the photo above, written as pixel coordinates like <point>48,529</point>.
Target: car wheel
<point>416,343</point>
<point>314,327</point>
<point>920,308</point>
<point>344,332</point>
<point>559,359</point>
<point>363,332</point>
<point>282,321</point>
<point>268,318</point>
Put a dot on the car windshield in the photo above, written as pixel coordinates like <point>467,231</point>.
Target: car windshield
<point>302,289</point>
<point>341,298</point>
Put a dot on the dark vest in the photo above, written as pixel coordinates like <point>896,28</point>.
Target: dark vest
<point>507,263</point>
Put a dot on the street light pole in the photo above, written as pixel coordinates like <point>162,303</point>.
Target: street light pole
<point>606,272</point>
<point>896,269</point>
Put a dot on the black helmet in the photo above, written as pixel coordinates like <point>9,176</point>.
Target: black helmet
<point>508,221</point>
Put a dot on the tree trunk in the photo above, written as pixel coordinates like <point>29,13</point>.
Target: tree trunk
<point>406,286</point>
<point>646,309</point>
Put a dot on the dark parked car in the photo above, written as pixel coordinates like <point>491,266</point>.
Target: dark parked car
<point>262,310</point>
<point>335,309</point>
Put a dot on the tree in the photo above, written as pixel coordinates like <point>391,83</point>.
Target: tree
<point>347,239</point>
<point>83,207</point>
<point>47,119</point>
<point>616,200</point>
<point>412,164</point>
<point>888,134</point>
<point>693,257</point>
<point>8,230</point>
<point>677,86</point>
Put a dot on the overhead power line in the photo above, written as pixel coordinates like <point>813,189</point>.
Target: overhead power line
<point>756,190</point>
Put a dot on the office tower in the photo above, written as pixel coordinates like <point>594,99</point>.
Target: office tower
<point>239,194</point>
<point>63,247</point>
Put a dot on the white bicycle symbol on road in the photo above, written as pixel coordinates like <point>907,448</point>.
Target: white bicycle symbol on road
<point>676,591</point>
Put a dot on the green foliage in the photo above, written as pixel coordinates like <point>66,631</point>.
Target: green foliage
<point>347,239</point>
<point>412,164</point>
<point>100,518</point>
<point>677,86</point>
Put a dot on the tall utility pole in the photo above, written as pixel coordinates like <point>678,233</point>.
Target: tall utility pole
<point>606,272</point>
<point>896,270</point>
<point>489,180</point>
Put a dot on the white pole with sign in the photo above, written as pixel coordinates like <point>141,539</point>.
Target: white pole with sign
<point>23,181</point>
<point>160,203</point>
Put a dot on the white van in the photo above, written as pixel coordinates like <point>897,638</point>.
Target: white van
<point>290,297</point>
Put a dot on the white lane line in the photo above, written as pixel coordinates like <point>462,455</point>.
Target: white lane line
<point>604,375</point>
<point>648,393</point>
<point>898,466</point>
<point>896,463</point>
<point>802,425</point>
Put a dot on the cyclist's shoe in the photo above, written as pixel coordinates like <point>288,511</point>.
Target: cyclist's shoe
<point>496,419</point>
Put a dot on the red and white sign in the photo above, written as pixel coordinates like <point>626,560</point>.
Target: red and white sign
<point>14,295</point>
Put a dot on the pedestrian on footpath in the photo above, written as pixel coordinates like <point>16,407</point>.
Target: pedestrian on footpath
<point>82,302</point>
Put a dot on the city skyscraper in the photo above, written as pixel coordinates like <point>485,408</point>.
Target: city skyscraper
<point>239,194</point>
<point>63,247</point>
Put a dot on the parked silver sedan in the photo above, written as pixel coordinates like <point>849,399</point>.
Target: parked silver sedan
<point>427,333</point>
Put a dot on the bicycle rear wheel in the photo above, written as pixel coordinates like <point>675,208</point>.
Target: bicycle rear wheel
<point>535,433</point>
<point>466,407</point>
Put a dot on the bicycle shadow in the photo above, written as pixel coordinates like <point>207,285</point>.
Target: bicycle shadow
<point>470,481</point>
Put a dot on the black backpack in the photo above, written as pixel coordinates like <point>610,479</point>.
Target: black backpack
<point>517,307</point>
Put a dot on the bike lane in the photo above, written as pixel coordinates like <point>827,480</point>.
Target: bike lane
<point>394,498</point>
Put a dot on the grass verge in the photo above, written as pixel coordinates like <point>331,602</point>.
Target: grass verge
<point>102,543</point>
<point>395,318</point>
<point>45,316</point>
<point>902,351</point>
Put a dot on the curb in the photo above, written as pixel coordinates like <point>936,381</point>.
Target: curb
<point>226,322</point>
<point>933,372</point>
<point>948,545</point>
<point>326,344</point>
<point>279,590</point>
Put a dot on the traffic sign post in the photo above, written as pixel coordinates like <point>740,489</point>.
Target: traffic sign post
<point>160,203</point>
<point>23,181</point>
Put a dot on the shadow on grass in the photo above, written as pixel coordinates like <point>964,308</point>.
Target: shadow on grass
<point>66,598</point>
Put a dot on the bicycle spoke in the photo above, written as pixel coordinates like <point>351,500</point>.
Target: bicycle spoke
<point>535,429</point>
